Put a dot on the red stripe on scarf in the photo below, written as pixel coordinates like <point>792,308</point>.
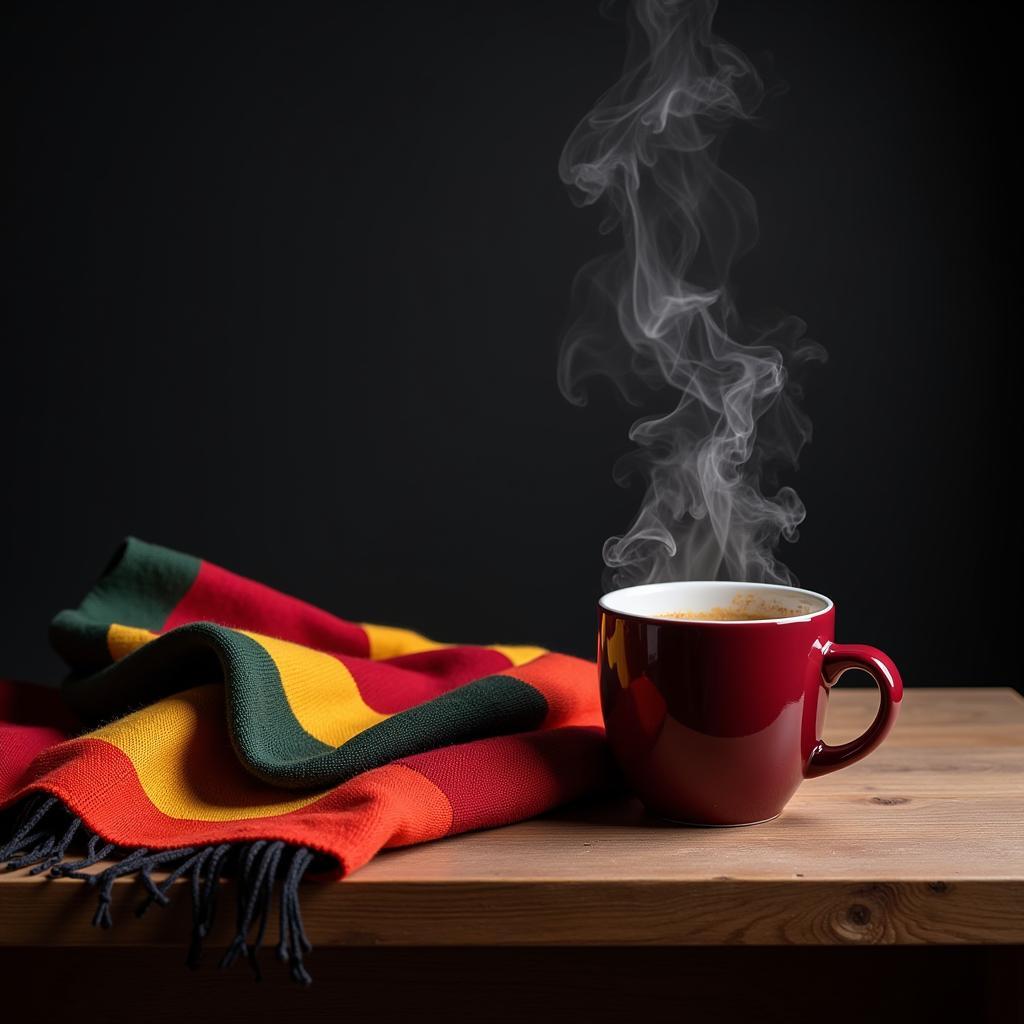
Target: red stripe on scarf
<point>398,683</point>
<point>231,600</point>
<point>32,718</point>
<point>509,778</point>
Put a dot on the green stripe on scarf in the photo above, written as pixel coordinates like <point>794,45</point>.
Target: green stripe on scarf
<point>268,738</point>
<point>141,586</point>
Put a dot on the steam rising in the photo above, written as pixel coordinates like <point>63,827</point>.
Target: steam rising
<point>657,318</point>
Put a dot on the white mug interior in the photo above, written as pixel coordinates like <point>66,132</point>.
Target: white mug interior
<point>662,600</point>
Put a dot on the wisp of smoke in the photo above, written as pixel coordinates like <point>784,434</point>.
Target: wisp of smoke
<point>657,316</point>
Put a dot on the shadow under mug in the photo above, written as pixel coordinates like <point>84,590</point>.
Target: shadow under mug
<point>717,722</point>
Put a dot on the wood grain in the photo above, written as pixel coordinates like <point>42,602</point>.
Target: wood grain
<point>922,843</point>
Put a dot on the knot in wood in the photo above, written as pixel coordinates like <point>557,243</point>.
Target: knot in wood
<point>859,915</point>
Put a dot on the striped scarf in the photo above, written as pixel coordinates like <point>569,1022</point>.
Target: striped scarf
<point>211,725</point>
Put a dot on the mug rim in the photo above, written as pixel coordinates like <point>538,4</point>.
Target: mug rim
<point>661,620</point>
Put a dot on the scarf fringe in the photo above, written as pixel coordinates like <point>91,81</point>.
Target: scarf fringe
<point>41,835</point>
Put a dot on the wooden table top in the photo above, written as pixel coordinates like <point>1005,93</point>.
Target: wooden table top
<point>922,842</point>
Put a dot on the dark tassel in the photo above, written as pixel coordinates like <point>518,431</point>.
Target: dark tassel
<point>256,866</point>
<point>207,904</point>
<point>60,851</point>
<point>33,856</point>
<point>158,893</point>
<point>293,944</point>
<point>198,863</point>
<point>259,901</point>
<point>244,882</point>
<point>93,854</point>
<point>22,836</point>
<point>105,881</point>
<point>141,863</point>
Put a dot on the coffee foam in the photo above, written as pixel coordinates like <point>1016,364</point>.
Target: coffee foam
<point>744,608</point>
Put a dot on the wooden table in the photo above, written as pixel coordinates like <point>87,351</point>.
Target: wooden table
<point>922,844</point>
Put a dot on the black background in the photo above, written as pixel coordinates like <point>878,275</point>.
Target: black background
<point>287,281</point>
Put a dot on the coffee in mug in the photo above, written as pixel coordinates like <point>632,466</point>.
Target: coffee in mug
<point>746,607</point>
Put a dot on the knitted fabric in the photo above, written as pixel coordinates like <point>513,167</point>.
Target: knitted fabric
<point>211,724</point>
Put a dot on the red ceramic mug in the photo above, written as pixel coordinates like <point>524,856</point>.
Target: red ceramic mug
<point>718,722</point>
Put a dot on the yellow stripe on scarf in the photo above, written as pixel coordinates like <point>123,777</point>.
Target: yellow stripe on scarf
<point>185,763</point>
<point>395,642</point>
<point>122,640</point>
<point>321,691</point>
<point>519,654</point>
<point>385,642</point>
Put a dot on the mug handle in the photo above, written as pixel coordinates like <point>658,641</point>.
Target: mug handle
<point>838,659</point>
